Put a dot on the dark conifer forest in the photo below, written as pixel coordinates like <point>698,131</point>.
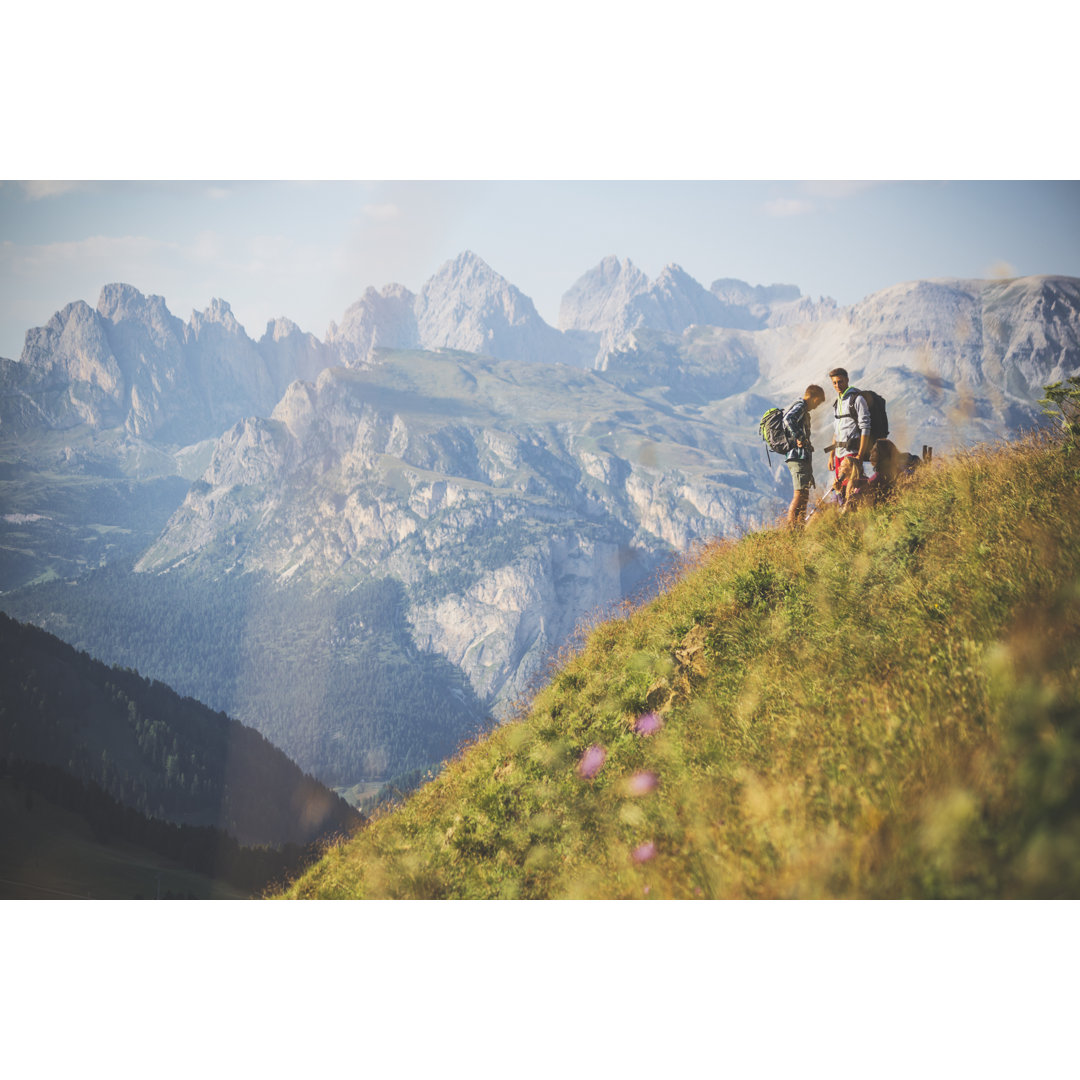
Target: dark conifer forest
<point>164,756</point>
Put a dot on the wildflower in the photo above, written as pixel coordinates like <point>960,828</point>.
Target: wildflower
<point>644,852</point>
<point>591,762</point>
<point>648,723</point>
<point>641,783</point>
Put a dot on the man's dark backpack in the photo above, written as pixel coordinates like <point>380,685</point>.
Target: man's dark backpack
<point>879,418</point>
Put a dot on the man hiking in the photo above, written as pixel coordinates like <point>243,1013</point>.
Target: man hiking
<point>799,457</point>
<point>851,422</point>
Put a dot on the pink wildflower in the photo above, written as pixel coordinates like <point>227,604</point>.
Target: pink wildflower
<point>648,723</point>
<point>591,762</point>
<point>641,783</point>
<point>644,852</point>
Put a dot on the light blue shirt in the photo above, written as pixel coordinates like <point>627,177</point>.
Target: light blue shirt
<point>851,417</point>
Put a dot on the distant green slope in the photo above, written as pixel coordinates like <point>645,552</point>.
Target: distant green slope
<point>77,499</point>
<point>887,705</point>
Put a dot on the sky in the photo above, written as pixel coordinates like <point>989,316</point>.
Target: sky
<point>308,249</point>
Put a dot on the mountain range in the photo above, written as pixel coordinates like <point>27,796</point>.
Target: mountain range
<point>505,479</point>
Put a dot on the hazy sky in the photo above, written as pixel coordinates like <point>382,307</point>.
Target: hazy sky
<point>307,250</point>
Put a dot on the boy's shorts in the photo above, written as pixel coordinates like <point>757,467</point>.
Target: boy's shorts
<point>802,475</point>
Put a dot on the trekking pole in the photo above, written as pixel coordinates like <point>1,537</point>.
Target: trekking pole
<point>820,499</point>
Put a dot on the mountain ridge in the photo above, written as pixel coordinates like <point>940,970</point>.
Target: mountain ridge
<point>118,362</point>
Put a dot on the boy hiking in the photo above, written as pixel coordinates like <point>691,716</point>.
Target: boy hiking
<point>799,457</point>
<point>851,420</point>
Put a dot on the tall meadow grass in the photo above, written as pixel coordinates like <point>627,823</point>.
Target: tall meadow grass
<point>884,704</point>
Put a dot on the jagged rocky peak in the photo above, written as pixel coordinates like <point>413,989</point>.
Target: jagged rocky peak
<point>674,302</point>
<point>297,408</point>
<point>117,299</point>
<point>597,299</point>
<point>77,313</point>
<point>382,319</point>
<point>614,299</point>
<point>67,374</point>
<point>469,272</point>
<point>675,283</point>
<point>281,329</point>
<point>72,338</point>
<point>291,353</point>
<point>468,306</point>
<point>119,302</point>
<point>219,313</point>
<point>463,283</point>
<point>141,329</point>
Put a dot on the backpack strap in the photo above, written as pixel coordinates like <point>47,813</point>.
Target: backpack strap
<point>853,393</point>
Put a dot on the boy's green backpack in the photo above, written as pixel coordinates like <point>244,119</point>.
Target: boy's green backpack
<point>772,432</point>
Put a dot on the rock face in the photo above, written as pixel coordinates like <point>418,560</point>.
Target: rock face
<point>527,508</point>
<point>467,306</point>
<point>615,299</point>
<point>290,354</point>
<point>378,320</point>
<point>599,300</point>
<point>77,379</point>
<point>132,364</point>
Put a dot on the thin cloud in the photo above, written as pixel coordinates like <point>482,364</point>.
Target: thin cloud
<point>839,189</point>
<point>381,211</point>
<point>94,250</point>
<point>49,189</point>
<point>207,247</point>
<point>788,207</point>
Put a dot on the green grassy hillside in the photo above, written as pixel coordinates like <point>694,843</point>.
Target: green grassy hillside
<point>885,705</point>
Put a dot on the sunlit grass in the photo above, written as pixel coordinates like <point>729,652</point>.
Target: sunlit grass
<point>885,705</point>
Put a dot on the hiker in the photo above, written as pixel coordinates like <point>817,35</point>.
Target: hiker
<point>851,482</point>
<point>889,465</point>
<point>799,457</point>
<point>884,459</point>
<point>851,419</point>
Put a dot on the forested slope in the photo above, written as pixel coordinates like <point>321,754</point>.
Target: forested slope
<point>166,757</point>
<point>334,679</point>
